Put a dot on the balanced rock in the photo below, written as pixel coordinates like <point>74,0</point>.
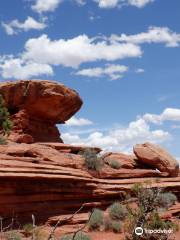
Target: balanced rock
<point>36,106</point>
<point>157,157</point>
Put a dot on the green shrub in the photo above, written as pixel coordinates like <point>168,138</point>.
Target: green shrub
<point>92,161</point>
<point>96,219</point>
<point>13,235</point>
<point>116,226</point>
<point>117,211</point>
<point>28,228</point>
<point>166,200</point>
<point>2,141</point>
<point>112,225</point>
<point>5,123</point>
<point>114,164</point>
<point>157,223</point>
<point>79,236</point>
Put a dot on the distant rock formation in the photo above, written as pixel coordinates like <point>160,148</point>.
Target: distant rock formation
<point>36,106</point>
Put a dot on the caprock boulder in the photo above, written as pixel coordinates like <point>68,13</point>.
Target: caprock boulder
<point>36,107</point>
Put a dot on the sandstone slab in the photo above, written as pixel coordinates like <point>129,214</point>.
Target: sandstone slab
<point>157,157</point>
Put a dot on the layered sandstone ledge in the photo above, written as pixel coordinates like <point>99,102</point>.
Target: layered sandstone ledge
<point>46,177</point>
<point>51,179</point>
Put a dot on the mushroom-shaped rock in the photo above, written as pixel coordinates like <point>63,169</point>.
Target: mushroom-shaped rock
<point>36,106</point>
<point>156,157</point>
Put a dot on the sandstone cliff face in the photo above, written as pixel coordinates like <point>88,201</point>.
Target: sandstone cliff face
<point>51,179</point>
<point>36,106</point>
<point>40,175</point>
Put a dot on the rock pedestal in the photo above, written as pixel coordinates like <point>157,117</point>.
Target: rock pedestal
<point>36,107</point>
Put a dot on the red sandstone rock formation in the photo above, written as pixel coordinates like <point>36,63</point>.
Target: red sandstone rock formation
<point>125,161</point>
<point>47,179</point>
<point>36,106</point>
<point>157,157</point>
<point>50,178</point>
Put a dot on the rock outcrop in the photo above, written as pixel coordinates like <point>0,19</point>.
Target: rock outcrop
<point>36,107</point>
<point>124,160</point>
<point>40,175</point>
<point>157,157</point>
<point>49,179</point>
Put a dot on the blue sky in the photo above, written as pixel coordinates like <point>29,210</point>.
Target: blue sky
<point>122,56</point>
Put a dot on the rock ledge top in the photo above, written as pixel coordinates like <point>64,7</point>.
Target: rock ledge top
<point>42,99</point>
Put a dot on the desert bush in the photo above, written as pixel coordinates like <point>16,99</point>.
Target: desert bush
<point>40,233</point>
<point>166,199</point>
<point>28,228</point>
<point>114,164</point>
<point>96,219</point>
<point>149,201</point>
<point>117,211</point>
<point>13,235</point>
<point>92,161</point>
<point>116,226</point>
<point>5,123</point>
<point>79,236</point>
<point>112,225</point>
<point>156,222</point>
<point>2,141</point>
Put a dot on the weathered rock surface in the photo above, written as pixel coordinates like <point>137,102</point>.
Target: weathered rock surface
<point>48,179</point>
<point>36,106</point>
<point>42,176</point>
<point>157,157</point>
<point>125,161</point>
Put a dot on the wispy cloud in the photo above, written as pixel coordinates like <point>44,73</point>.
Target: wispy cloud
<point>153,35</point>
<point>112,71</point>
<point>14,27</point>
<point>78,122</point>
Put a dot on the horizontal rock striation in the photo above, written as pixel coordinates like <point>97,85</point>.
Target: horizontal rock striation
<point>51,179</point>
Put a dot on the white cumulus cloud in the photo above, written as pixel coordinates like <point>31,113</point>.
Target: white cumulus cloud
<point>75,51</point>
<point>16,68</point>
<point>169,114</point>
<point>15,26</point>
<point>119,139</point>
<point>78,122</point>
<point>41,6</point>
<point>113,71</point>
<point>153,35</point>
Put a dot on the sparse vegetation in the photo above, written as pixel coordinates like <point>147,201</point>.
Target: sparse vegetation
<point>28,229</point>
<point>155,222</point>
<point>117,211</point>
<point>116,226</point>
<point>79,236</point>
<point>96,220</point>
<point>166,200</point>
<point>92,160</point>
<point>114,164</point>
<point>5,123</point>
<point>13,235</point>
<point>146,214</point>
<point>40,233</point>
<point>112,225</point>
